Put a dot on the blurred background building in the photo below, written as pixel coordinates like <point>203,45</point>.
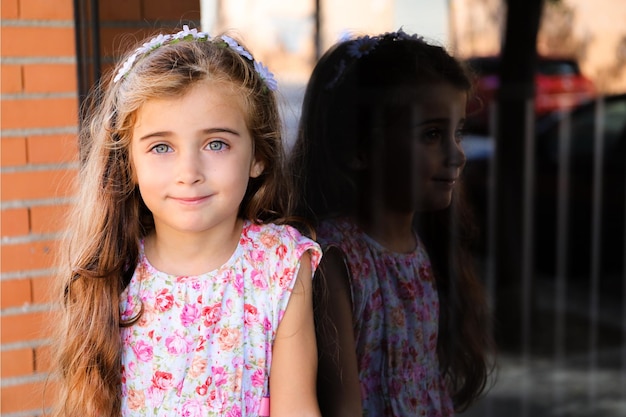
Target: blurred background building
<point>53,51</point>
<point>591,32</point>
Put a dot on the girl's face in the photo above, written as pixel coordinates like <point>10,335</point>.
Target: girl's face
<point>422,157</point>
<point>192,158</point>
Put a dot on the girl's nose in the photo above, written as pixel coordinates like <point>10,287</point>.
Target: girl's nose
<point>456,155</point>
<point>190,168</point>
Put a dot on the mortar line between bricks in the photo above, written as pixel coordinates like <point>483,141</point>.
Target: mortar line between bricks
<point>31,344</point>
<point>26,309</point>
<point>30,413</point>
<point>27,60</point>
<point>37,23</point>
<point>38,167</point>
<point>24,379</point>
<point>15,204</point>
<point>40,237</point>
<point>31,273</point>
<point>38,96</point>
<point>41,131</point>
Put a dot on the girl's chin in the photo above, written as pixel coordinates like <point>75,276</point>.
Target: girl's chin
<point>434,206</point>
<point>433,202</point>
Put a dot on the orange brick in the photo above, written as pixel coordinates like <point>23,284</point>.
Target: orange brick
<point>15,292</point>
<point>171,10</point>
<point>11,78</point>
<point>43,290</point>
<point>10,9</point>
<point>25,256</point>
<point>28,41</point>
<point>48,219</point>
<point>24,327</point>
<point>14,222</point>
<point>46,9</point>
<point>50,78</point>
<point>39,113</point>
<point>28,397</point>
<point>43,359</point>
<point>13,150</point>
<point>17,362</point>
<point>35,184</point>
<point>120,10</point>
<point>52,149</point>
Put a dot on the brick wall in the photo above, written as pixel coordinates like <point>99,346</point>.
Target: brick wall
<point>39,119</point>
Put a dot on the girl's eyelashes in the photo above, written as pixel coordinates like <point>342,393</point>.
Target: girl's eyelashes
<point>217,145</point>
<point>432,134</point>
<point>436,134</point>
<point>160,148</point>
<point>214,145</point>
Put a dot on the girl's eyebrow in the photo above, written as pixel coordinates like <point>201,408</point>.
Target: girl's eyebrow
<point>166,133</point>
<point>435,120</point>
<point>438,120</point>
<point>221,130</point>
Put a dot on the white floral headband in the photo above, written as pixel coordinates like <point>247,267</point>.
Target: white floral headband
<point>192,34</point>
<point>363,45</point>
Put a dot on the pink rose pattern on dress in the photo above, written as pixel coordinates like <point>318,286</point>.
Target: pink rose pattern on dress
<point>395,319</point>
<point>202,346</point>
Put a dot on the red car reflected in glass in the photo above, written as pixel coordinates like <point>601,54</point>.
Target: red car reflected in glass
<point>559,85</point>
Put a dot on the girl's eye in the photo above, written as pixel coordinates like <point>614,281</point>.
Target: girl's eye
<point>432,135</point>
<point>160,148</point>
<point>216,145</point>
<point>459,134</point>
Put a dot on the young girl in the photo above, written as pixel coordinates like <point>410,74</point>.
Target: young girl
<point>184,288</point>
<point>403,324</point>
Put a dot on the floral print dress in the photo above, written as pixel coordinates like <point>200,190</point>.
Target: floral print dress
<point>203,344</point>
<point>395,310</point>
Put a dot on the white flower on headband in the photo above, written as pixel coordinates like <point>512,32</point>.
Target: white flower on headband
<point>157,42</point>
<point>193,34</point>
<point>362,46</point>
<point>190,33</point>
<point>266,75</point>
<point>128,64</point>
<point>232,44</point>
<point>153,43</point>
<point>403,36</point>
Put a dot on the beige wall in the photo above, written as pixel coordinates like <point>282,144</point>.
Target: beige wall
<point>280,33</point>
<point>356,17</point>
<point>600,41</point>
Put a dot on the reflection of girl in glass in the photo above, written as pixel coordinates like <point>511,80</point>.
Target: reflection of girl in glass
<point>403,324</point>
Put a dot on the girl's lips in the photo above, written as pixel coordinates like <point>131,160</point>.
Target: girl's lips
<point>191,200</point>
<point>450,181</point>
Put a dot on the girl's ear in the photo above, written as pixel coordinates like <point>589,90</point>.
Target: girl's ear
<point>256,168</point>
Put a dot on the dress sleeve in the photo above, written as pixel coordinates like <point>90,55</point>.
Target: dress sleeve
<point>292,245</point>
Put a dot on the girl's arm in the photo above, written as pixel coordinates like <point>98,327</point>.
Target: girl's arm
<point>294,354</point>
<point>338,377</point>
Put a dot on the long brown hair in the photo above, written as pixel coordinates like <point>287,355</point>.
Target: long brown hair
<point>101,248</point>
<point>335,126</point>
